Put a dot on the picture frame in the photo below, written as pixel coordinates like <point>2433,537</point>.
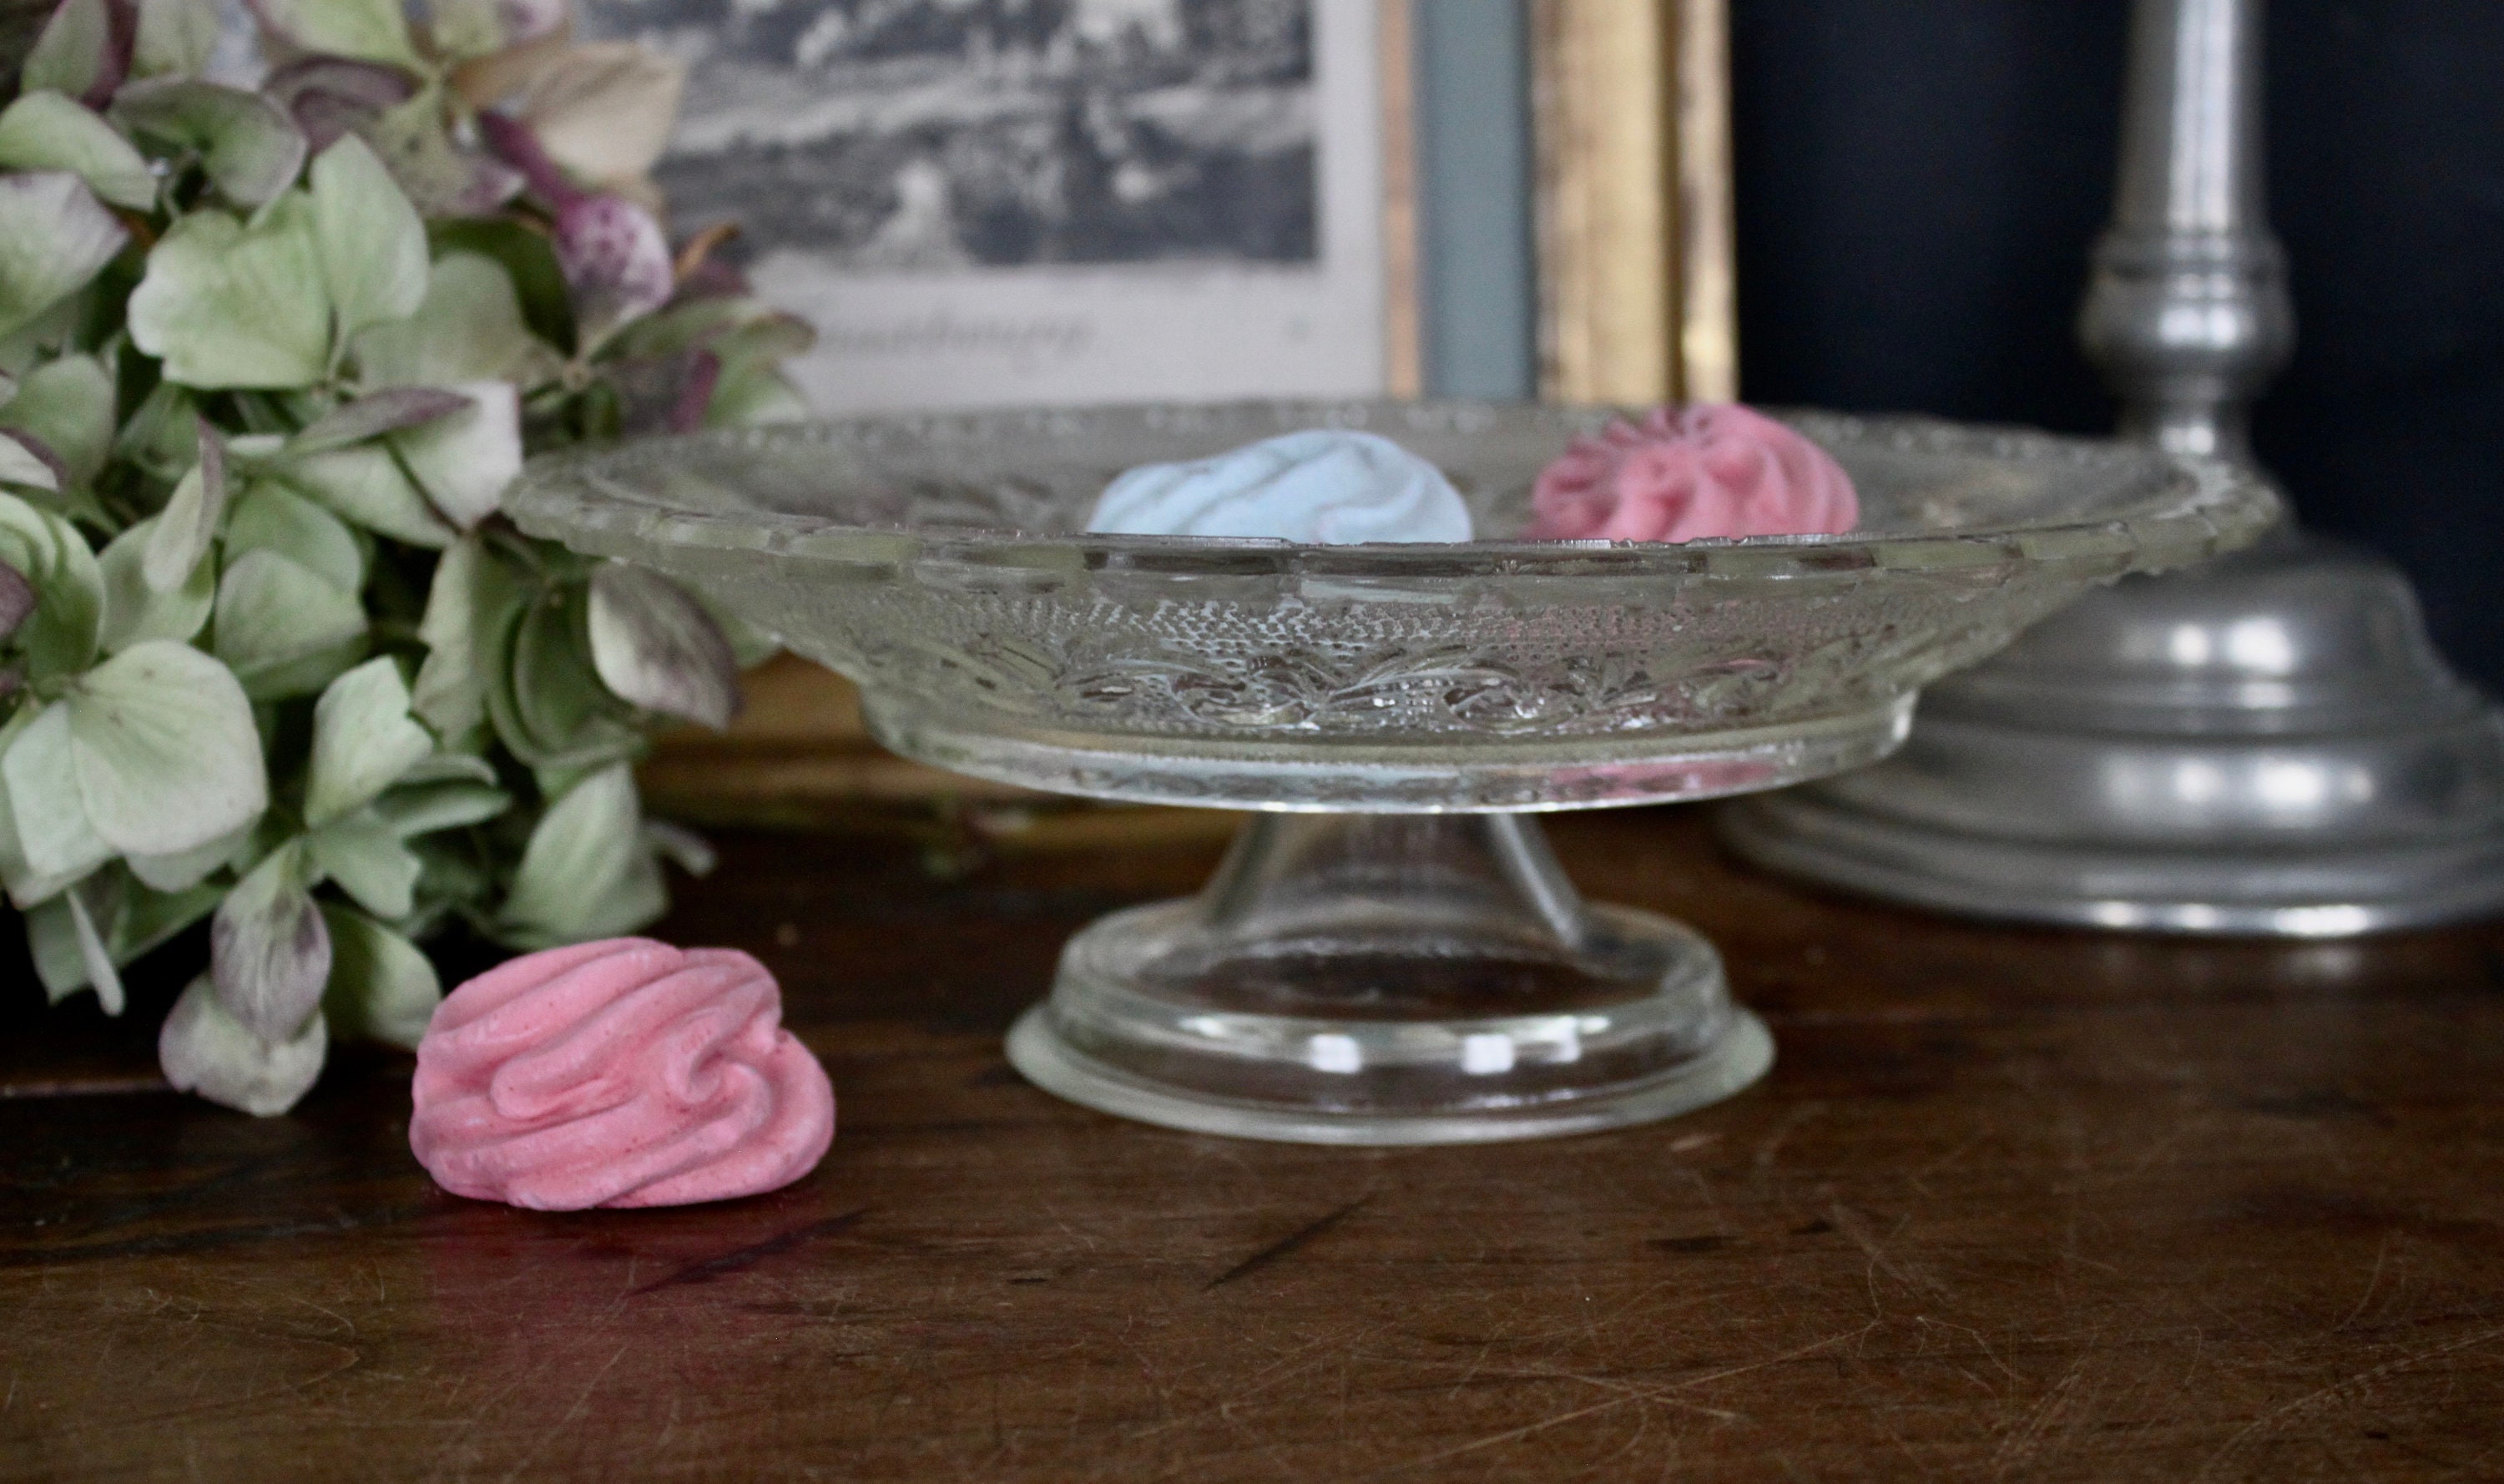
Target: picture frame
<point>994,203</point>
<point>1554,220</point>
<point>1637,284</point>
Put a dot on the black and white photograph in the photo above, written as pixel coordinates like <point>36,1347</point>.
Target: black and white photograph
<point>1006,201</point>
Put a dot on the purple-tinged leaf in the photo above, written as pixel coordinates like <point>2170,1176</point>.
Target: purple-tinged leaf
<point>442,176</point>
<point>269,954</point>
<point>83,50</point>
<point>329,97</point>
<point>249,145</point>
<point>16,601</point>
<point>695,394</point>
<point>370,416</point>
<point>656,648</point>
<point>529,20</point>
<point>515,145</point>
<point>25,461</point>
<point>616,263</point>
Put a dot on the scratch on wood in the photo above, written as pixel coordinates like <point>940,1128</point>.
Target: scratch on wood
<point>1772,1143</point>
<point>744,1258</point>
<point>2269,1420</point>
<point>2372,1281</point>
<point>186,1242</point>
<point>1286,1244</point>
<point>1849,1222</point>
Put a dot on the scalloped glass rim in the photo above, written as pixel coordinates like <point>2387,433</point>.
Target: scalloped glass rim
<point>2201,506</point>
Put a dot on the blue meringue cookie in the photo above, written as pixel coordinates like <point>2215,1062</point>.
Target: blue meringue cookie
<point>1320,487</point>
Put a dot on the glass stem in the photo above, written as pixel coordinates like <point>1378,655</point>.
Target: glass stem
<point>1490,874</point>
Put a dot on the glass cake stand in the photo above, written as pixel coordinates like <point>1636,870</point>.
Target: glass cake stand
<point>1390,953</point>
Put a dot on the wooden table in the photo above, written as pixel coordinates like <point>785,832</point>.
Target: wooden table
<point>2013,1205</point>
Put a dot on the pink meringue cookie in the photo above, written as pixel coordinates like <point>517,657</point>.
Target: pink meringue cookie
<point>620,1073</point>
<point>1707,469</point>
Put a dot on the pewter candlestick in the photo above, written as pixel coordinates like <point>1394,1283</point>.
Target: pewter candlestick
<point>2265,744</point>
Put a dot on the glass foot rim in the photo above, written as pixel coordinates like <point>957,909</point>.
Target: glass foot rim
<point>1743,1053</point>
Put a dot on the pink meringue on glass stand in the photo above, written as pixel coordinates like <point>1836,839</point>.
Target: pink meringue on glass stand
<point>620,1073</point>
<point>1685,473</point>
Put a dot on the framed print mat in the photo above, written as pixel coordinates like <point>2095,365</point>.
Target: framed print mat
<point>985,203</point>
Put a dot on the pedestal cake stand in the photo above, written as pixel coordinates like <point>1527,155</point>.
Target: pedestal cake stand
<point>1389,954</point>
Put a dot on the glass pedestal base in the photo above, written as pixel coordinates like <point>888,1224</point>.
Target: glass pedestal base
<point>1379,979</point>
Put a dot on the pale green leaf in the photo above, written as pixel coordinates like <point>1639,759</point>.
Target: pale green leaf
<point>452,767</point>
<point>366,485</point>
<point>753,394</point>
<point>374,414</point>
<point>190,518</point>
<point>67,402</point>
<point>161,436</point>
<point>683,848</point>
<point>166,753</point>
<point>364,856</point>
<point>226,304</point>
<point>73,53</point>
<point>51,942</point>
<point>658,649</point>
<point>464,462</point>
<point>585,873</point>
<point>54,238</point>
<point>370,30</point>
<point>271,517</point>
<point>25,887</point>
<point>422,808</point>
<point>205,1049</point>
<point>182,870</point>
<point>470,611</point>
<point>547,703</point>
<point>55,842</point>
<point>92,958</point>
<point>363,739</point>
<point>250,148</point>
<point>59,637</point>
<point>48,131</point>
<point>382,988</point>
<point>373,246</point>
<point>81,937</point>
<point>134,611</point>
<point>143,919</point>
<point>274,616</point>
<point>269,954</point>
<point>175,37</point>
<point>469,329</point>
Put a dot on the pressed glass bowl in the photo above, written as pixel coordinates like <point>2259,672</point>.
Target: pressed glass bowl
<point>1353,978</point>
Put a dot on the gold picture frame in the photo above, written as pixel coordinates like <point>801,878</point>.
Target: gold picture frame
<point>1630,103</point>
<point>1636,294</point>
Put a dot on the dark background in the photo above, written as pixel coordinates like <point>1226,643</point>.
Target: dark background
<point>1919,182</point>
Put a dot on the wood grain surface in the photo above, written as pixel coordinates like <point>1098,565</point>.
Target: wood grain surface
<point>2012,1205</point>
